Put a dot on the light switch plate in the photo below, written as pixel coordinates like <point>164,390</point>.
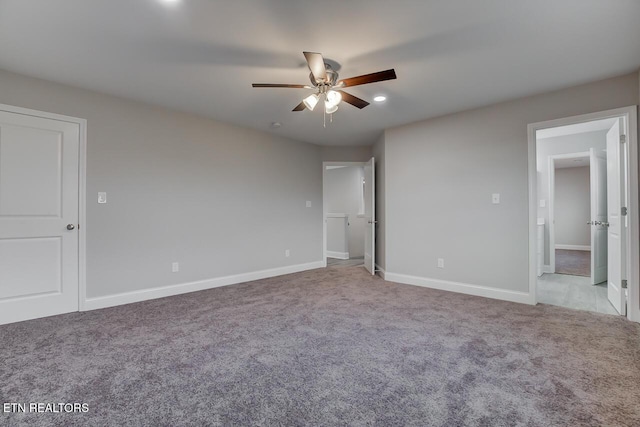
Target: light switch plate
<point>543,203</point>
<point>495,198</point>
<point>102,197</point>
<point>308,203</point>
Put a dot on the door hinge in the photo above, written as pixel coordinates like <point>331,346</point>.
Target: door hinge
<point>624,284</point>
<point>623,211</point>
<point>623,139</point>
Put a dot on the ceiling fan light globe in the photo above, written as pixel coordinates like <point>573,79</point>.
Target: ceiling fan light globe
<point>334,97</point>
<point>330,108</point>
<point>311,101</point>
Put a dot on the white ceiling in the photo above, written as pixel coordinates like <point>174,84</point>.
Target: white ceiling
<point>574,162</point>
<point>592,126</point>
<point>201,56</point>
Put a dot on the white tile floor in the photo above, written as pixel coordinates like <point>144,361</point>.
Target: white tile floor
<point>573,292</point>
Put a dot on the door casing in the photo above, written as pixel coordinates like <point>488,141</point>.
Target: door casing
<point>552,192</point>
<point>324,201</point>
<point>629,114</point>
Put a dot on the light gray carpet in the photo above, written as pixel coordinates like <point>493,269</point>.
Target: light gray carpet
<point>334,262</point>
<point>323,348</point>
<point>575,263</point>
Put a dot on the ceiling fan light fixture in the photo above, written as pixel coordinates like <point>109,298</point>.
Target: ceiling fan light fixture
<point>330,108</point>
<point>334,97</point>
<point>311,101</point>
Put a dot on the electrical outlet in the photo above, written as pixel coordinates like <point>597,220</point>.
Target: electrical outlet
<point>543,203</point>
<point>102,197</point>
<point>440,262</point>
<point>495,198</point>
<point>175,267</point>
<point>308,203</point>
<point>287,253</point>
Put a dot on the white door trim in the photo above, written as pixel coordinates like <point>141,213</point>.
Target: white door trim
<point>82,190</point>
<point>633,242</point>
<point>552,192</point>
<point>324,202</point>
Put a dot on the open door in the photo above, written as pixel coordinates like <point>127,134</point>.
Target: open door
<point>616,231</point>
<point>370,216</point>
<point>598,175</point>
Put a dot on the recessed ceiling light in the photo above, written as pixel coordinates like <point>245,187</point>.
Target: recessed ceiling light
<point>275,125</point>
<point>170,2</point>
<point>380,98</point>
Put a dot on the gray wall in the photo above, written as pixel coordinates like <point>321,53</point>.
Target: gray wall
<point>219,199</point>
<point>560,145</point>
<point>572,206</point>
<point>378,153</point>
<point>343,194</point>
<point>440,174</point>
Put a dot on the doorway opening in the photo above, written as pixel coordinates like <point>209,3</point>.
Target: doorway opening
<point>583,209</point>
<point>348,206</point>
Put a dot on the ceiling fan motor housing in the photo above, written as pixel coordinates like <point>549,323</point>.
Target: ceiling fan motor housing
<point>332,77</point>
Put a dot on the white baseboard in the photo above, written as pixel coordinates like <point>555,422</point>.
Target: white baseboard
<point>380,271</point>
<point>463,288</point>
<point>574,247</point>
<point>338,255</point>
<point>546,268</point>
<point>183,288</point>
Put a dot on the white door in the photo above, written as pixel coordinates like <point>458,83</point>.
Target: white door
<point>616,232</point>
<point>598,175</point>
<point>39,160</point>
<point>370,216</point>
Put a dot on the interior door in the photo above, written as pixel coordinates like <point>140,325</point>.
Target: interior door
<point>616,231</point>
<point>370,216</point>
<point>39,160</point>
<point>598,175</point>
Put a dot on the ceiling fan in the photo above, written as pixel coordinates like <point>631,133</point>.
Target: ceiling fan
<point>325,79</point>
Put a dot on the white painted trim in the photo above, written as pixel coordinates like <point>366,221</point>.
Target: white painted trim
<point>183,288</point>
<point>381,272</point>
<point>574,247</point>
<point>551,180</point>
<point>463,288</point>
<point>324,200</point>
<point>546,268</point>
<point>633,246</point>
<point>82,189</point>
<point>338,255</point>
<point>337,215</point>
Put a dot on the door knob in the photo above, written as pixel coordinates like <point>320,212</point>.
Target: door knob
<point>372,222</point>
<point>71,227</point>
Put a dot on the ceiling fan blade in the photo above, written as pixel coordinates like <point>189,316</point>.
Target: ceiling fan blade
<point>353,100</point>
<point>280,85</point>
<point>316,65</point>
<point>368,78</point>
<point>299,107</point>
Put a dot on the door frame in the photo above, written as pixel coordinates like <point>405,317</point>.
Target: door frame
<point>552,192</point>
<point>633,231</point>
<point>324,202</point>
<point>82,190</point>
